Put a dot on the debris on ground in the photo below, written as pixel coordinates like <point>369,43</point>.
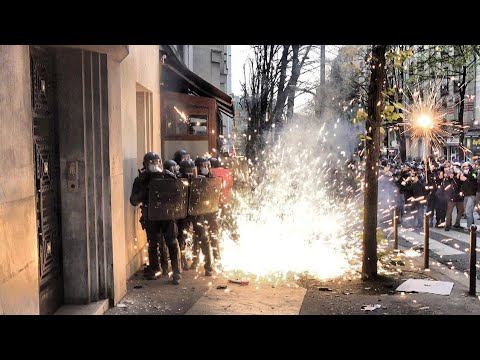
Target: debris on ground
<point>128,302</point>
<point>426,286</point>
<point>121,305</point>
<point>240,282</point>
<point>138,286</point>
<point>397,262</point>
<point>324,289</point>
<point>221,287</point>
<point>370,307</point>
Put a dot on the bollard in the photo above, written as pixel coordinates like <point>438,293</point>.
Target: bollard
<point>473,261</point>
<point>426,249</point>
<point>395,229</point>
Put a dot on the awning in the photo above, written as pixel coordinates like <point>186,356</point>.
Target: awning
<point>177,77</point>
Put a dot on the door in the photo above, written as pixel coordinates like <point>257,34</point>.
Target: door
<point>46,162</point>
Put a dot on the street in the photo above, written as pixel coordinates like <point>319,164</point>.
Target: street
<point>449,248</point>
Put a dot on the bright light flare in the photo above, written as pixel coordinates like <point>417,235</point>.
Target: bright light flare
<point>425,120</point>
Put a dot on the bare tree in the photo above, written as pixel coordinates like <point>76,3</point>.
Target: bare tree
<point>270,88</point>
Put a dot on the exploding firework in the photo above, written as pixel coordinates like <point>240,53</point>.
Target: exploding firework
<point>300,212</point>
<point>426,120</point>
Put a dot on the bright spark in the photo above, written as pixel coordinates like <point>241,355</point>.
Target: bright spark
<point>425,120</point>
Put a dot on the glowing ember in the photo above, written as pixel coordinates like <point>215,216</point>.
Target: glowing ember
<point>302,214</point>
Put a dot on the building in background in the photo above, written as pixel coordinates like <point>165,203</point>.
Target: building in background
<point>448,95</point>
<point>213,64</point>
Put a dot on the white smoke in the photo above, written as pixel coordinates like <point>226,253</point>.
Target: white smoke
<point>302,213</point>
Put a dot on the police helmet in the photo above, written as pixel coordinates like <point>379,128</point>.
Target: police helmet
<point>180,155</point>
<point>187,167</point>
<point>171,165</point>
<point>214,162</point>
<point>151,157</point>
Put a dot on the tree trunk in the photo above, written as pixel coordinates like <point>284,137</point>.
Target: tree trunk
<point>282,92</point>
<point>321,89</point>
<point>290,106</point>
<point>372,153</point>
<point>463,87</point>
<point>401,134</point>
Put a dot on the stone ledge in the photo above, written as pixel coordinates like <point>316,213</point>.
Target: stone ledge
<point>96,308</point>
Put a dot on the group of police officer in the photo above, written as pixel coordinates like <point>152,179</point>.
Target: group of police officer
<point>175,196</point>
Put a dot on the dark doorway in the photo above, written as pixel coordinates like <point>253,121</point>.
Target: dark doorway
<point>47,176</point>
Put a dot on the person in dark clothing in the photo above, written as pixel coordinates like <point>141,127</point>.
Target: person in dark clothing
<point>431,189</point>
<point>469,189</point>
<point>417,200</point>
<point>158,232</point>
<point>171,168</point>
<point>452,186</point>
<point>188,170</point>
<point>441,200</point>
<point>181,155</point>
<point>211,220</point>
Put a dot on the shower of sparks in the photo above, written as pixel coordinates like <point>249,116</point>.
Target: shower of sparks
<point>425,120</point>
<point>299,211</point>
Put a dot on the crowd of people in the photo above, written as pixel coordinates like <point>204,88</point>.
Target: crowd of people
<point>167,238</point>
<point>435,188</point>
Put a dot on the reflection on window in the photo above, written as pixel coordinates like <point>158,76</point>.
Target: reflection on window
<point>181,123</point>
<point>198,125</point>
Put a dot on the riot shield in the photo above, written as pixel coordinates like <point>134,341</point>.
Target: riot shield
<point>204,195</point>
<point>167,199</point>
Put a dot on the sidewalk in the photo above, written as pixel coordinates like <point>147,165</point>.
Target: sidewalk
<point>200,295</point>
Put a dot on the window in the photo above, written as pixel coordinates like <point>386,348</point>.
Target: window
<point>198,124</point>
<point>184,123</point>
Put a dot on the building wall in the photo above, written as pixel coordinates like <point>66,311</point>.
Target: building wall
<point>140,70</point>
<point>211,63</point>
<point>83,130</point>
<point>116,179</point>
<point>108,243</point>
<point>19,283</point>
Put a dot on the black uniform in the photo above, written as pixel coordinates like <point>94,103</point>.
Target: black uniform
<point>159,233</point>
<point>200,239</point>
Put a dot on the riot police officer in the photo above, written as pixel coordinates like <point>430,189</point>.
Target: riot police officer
<point>158,231</point>
<point>211,221</point>
<point>171,168</point>
<point>181,155</point>
<point>188,170</point>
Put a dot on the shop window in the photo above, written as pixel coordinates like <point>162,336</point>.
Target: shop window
<point>179,123</point>
<point>198,125</point>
